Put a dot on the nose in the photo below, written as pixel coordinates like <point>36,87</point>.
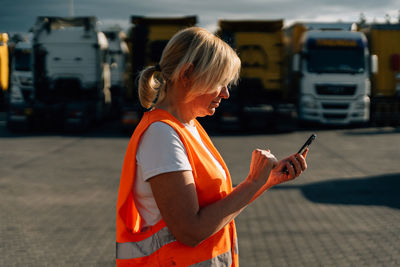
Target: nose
<point>224,92</point>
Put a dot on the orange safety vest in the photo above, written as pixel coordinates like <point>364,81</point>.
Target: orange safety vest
<point>155,245</point>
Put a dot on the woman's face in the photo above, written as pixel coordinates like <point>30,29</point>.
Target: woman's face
<point>206,104</point>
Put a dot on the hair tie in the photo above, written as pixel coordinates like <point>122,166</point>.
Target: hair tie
<point>157,67</point>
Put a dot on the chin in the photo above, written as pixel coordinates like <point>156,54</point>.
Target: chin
<point>209,112</point>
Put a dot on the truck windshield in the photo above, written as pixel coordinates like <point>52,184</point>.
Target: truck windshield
<point>22,60</point>
<point>337,60</point>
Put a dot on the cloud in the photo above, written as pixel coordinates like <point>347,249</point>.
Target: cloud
<point>19,15</point>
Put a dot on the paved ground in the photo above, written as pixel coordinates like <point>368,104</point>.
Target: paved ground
<point>58,195</point>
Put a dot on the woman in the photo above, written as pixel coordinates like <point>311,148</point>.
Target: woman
<point>176,203</point>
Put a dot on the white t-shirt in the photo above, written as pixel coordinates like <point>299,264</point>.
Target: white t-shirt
<point>160,150</point>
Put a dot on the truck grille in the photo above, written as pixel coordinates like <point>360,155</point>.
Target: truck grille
<point>326,89</point>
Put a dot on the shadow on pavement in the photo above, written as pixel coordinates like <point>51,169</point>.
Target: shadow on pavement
<point>374,131</point>
<point>381,190</point>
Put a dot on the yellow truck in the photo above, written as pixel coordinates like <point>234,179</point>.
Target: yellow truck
<point>260,100</point>
<point>4,68</point>
<point>146,40</point>
<point>384,41</point>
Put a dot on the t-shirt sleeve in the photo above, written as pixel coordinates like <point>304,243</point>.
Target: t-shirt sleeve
<point>161,150</point>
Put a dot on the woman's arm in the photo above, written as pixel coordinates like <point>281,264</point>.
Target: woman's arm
<point>176,197</point>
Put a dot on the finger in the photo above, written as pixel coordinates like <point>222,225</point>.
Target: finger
<point>296,164</point>
<point>305,153</point>
<point>302,161</point>
<point>270,157</point>
<point>274,161</point>
<point>290,169</point>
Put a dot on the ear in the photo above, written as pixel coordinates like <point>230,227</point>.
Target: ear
<point>185,74</point>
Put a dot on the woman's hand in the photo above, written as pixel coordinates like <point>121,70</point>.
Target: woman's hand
<point>288,168</point>
<point>262,163</point>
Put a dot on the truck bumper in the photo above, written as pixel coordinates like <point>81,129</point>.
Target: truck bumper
<point>336,112</point>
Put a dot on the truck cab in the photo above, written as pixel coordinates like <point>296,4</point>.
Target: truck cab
<point>334,83</point>
<point>260,100</point>
<point>384,41</point>
<point>117,56</point>
<point>22,90</point>
<point>70,73</point>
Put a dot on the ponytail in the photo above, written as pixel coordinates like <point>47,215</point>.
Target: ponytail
<point>151,87</point>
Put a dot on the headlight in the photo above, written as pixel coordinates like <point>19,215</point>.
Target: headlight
<point>362,103</point>
<point>359,105</point>
<point>308,102</point>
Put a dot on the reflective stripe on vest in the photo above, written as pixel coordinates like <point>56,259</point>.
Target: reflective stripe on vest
<point>222,260</point>
<point>146,247</point>
<point>132,250</point>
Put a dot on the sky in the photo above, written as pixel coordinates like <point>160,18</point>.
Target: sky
<point>20,15</point>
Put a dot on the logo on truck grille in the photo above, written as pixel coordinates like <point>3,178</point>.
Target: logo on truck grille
<point>328,89</point>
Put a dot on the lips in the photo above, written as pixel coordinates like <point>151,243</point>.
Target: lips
<point>215,104</point>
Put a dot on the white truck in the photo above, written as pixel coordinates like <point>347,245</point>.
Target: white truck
<point>21,90</point>
<point>117,56</point>
<point>331,68</point>
<point>70,73</point>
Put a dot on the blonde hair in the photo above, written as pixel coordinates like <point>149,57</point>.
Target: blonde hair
<point>214,63</point>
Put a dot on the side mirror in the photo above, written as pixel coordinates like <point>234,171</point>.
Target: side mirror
<point>296,63</point>
<point>374,64</point>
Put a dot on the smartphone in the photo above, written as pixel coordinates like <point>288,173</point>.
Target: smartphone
<point>303,148</point>
<point>307,143</point>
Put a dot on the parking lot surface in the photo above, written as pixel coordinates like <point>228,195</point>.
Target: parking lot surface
<point>58,196</point>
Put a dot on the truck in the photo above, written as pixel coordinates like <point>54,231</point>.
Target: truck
<point>117,56</point>
<point>4,69</point>
<point>260,100</point>
<point>71,77</point>
<point>384,41</point>
<point>329,72</point>
<point>21,91</point>
<point>146,40</point>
